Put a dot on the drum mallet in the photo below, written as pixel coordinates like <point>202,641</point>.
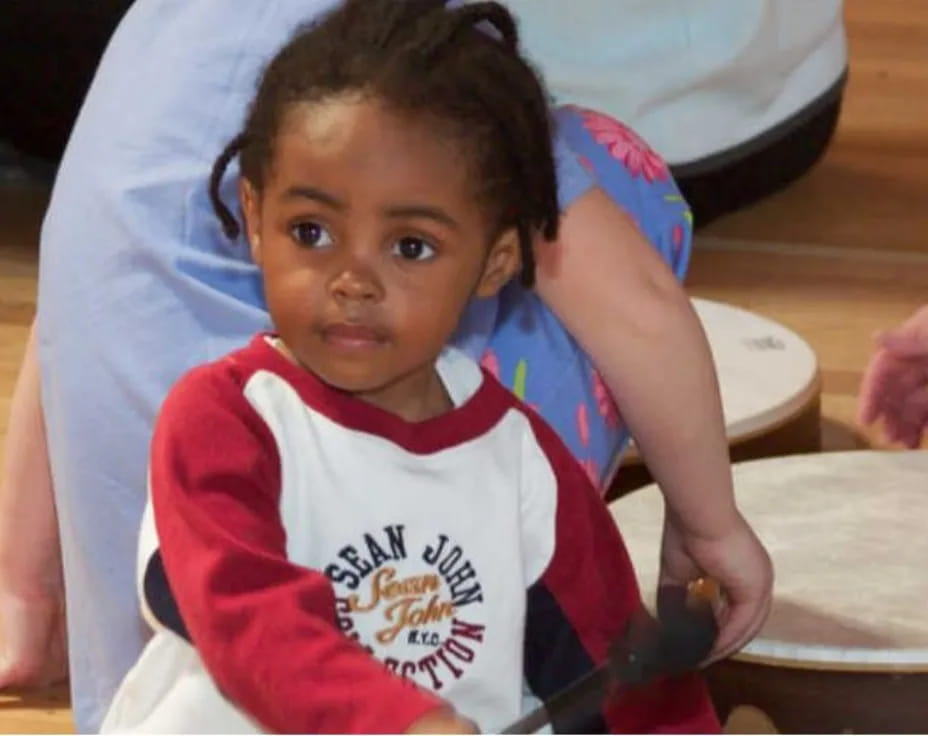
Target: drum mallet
<point>678,641</point>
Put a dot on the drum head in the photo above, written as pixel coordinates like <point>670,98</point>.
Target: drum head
<point>767,373</point>
<point>848,534</point>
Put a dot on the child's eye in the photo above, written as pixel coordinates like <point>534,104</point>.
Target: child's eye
<point>413,249</point>
<point>311,234</point>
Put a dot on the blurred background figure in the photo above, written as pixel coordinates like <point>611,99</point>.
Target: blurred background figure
<point>741,97</point>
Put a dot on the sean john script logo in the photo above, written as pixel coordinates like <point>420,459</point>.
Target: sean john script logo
<point>416,612</point>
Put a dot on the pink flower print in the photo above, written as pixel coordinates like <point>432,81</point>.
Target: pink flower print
<point>586,164</point>
<point>608,409</point>
<point>626,146</point>
<point>491,363</point>
<point>677,239</point>
<point>583,425</point>
<point>592,471</point>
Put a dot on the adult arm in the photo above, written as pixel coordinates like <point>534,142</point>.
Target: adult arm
<point>624,306</point>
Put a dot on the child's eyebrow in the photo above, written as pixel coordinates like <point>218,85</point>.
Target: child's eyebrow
<point>316,194</point>
<point>423,210</point>
<point>396,211</point>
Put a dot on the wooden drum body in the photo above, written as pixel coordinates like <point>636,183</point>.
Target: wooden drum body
<point>770,387</point>
<point>845,649</point>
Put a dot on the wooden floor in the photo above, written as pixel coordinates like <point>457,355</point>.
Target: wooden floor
<point>840,254</point>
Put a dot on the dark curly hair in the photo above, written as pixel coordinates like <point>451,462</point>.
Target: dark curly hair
<point>421,57</point>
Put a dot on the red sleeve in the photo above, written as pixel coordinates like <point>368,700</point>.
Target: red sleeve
<point>583,601</point>
<point>264,627</point>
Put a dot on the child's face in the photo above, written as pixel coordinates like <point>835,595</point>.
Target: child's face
<point>371,242</point>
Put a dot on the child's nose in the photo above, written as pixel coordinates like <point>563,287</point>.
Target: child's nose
<point>357,283</point>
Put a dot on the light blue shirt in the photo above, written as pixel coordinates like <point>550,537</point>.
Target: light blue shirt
<point>138,284</point>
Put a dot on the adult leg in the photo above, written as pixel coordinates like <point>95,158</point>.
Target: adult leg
<point>32,636</point>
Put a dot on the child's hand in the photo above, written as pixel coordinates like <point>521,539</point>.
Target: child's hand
<point>443,720</point>
<point>738,562</point>
<point>33,643</point>
<point>895,384</point>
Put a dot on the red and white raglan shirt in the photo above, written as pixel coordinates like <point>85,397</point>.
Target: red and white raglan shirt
<point>310,563</point>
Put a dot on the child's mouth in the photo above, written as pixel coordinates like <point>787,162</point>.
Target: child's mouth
<point>353,336</point>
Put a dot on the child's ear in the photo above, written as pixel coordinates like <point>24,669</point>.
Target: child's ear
<point>251,211</point>
<point>503,262</point>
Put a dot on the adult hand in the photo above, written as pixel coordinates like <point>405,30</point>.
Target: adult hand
<point>895,383</point>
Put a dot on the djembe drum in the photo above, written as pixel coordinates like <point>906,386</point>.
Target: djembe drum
<point>770,388</point>
<point>845,649</point>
